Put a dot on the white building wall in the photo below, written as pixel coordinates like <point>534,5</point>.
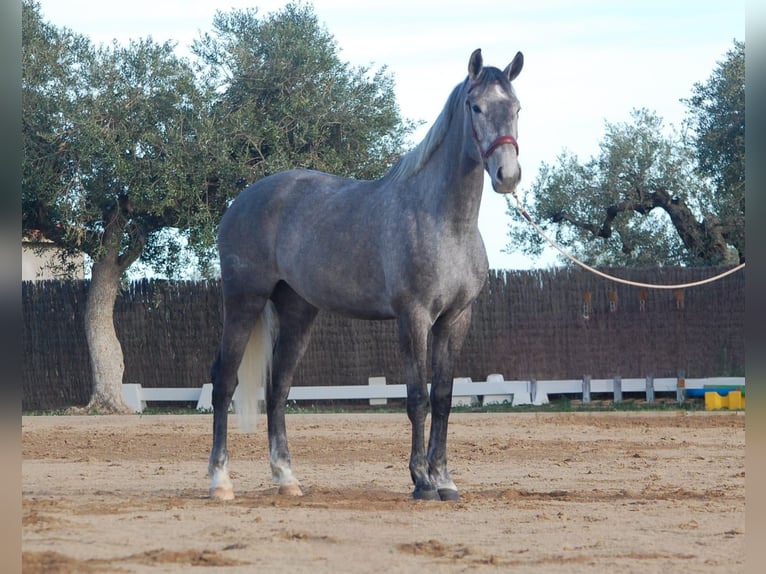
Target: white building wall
<point>37,263</point>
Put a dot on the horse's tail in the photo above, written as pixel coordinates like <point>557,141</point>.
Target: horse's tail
<point>255,370</point>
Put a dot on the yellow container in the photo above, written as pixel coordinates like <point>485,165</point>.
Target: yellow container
<point>733,401</point>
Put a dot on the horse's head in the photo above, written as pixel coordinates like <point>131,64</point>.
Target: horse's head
<point>492,113</point>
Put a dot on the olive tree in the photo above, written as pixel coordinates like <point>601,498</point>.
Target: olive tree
<point>287,100</point>
<point>116,149</point>
<point>123,144</point>
<point>653,196</point>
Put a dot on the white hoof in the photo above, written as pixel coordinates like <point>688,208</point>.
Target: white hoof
<point>282,474</point>
<point>221,493</point>
<point>221,487</point>
<point>292,489</point>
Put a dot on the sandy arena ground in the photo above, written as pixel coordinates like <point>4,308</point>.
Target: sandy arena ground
<point>561,493</point>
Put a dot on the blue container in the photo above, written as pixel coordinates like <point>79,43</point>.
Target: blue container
<point>722,390</point>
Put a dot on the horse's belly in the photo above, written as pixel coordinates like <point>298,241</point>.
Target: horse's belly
<point>340,281</point>
<point>349,298</point>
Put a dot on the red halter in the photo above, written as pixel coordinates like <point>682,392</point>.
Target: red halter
<point>502,140</point>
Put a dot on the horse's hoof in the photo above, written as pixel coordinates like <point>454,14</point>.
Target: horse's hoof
<point>222,493</point>
<point>425,494</point>
<point>449,494</point>
<point>291,489</point>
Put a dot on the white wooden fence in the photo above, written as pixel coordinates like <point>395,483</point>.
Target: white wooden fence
<point>465,391</point>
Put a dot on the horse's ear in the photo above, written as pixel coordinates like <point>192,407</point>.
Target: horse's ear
<point>514,68</point>
<point>475,65</point>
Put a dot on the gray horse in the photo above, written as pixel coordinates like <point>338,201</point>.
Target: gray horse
<point>405,247</point>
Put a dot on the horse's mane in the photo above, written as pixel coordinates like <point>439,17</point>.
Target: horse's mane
<point>413,161</point>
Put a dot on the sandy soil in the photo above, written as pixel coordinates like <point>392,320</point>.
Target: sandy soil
<point>569,493</point>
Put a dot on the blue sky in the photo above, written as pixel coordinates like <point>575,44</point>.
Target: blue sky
<point>586,61</point>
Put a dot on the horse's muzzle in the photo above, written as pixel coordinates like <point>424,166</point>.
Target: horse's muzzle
<point>504,169</point>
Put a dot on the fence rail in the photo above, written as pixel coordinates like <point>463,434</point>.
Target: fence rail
<point>465,391</point>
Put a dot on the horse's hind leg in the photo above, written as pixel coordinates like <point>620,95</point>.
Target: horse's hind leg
<point>296,316</point>
<point>448,336</point>
<point>240,316</point>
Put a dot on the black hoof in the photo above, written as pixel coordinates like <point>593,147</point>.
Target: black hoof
<point>449,494</point>
<point>426,494</point>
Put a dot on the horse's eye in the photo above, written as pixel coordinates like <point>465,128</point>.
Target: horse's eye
<point>476,109</point>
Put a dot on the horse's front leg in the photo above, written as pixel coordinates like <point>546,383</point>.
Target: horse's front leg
<point>413,340</point>
<point>448,337</point>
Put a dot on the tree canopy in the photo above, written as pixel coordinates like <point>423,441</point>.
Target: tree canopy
<point>137,137</point>
<point>115,140</point>
<point>717,112</point>
<point>652,196</point>
<point>286,99</point>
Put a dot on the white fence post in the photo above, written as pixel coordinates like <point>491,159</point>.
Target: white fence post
<point>539,396</point>
<point>681,387</point>
<point>131,394</point>
<point>377,381</point>
<point>650,388</point>
<point>617,388</point>
<point>524,398</point>
<point>464,400</point>
<point>496,399</point>
<point>586,389</point>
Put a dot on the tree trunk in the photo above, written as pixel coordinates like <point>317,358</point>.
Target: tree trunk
<point>106,358</point>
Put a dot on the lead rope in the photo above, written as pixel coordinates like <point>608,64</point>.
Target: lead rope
<point>572,258</point>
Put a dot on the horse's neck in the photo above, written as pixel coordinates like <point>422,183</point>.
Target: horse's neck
<point>452,184</point>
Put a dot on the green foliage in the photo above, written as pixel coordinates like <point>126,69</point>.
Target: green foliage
<point>131,151</point>
<point>612,196</point>
<point>287,100</point>
<point>651,196</point>
<point>115,142</point>
<point>50,59</point>
<point>717,112</point>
